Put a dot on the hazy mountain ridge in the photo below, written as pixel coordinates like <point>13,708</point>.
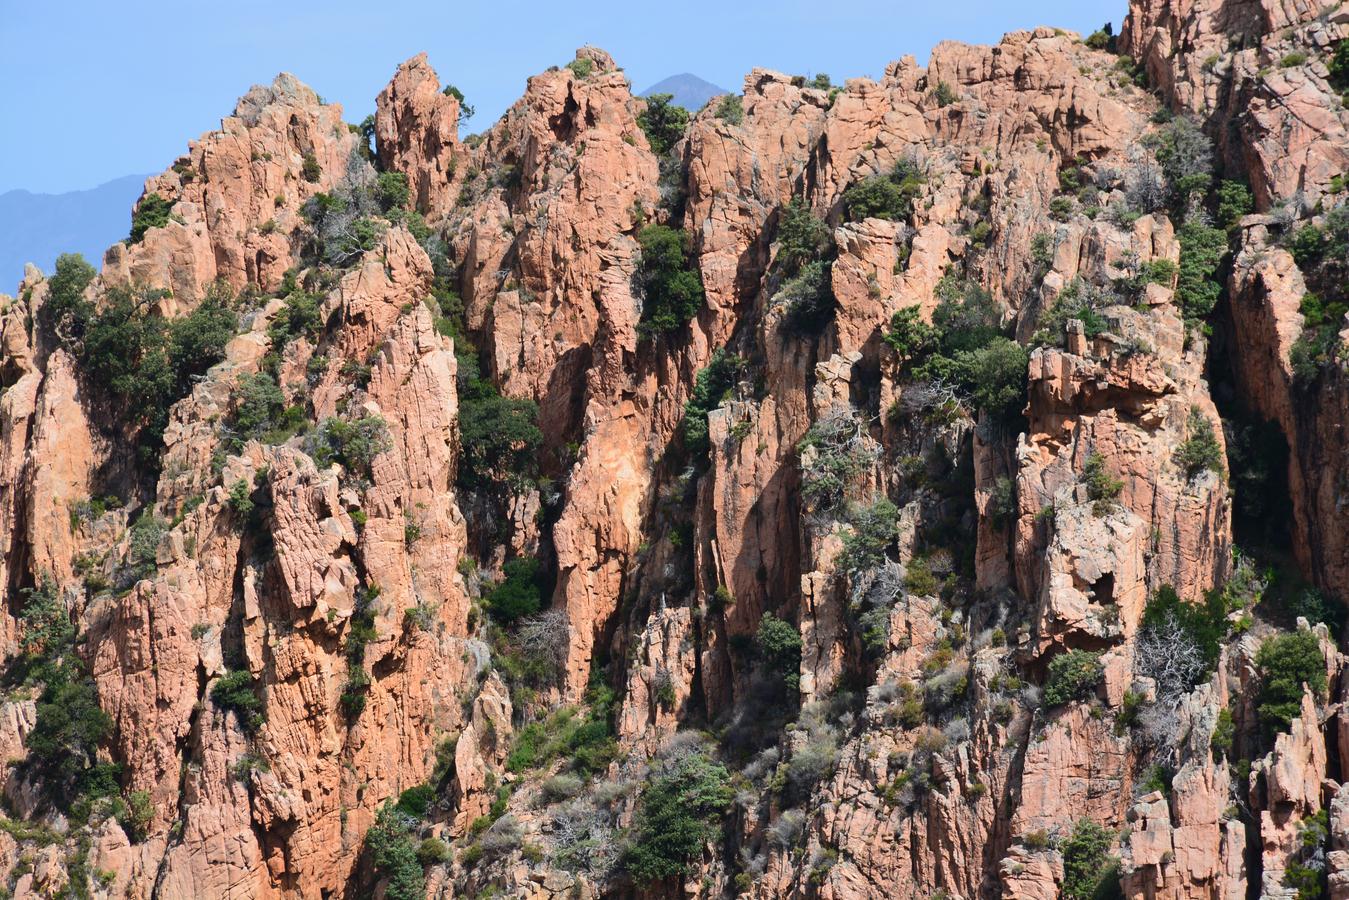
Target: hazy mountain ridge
<point>37,228</point>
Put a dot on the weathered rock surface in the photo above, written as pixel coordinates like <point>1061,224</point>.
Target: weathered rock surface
<point>236,196</point>
<point>315,626</point>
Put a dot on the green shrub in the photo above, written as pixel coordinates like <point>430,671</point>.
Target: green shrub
<point>1078,300</point>
<point>779,645</point>
<point>197,341</point>
<point>1234,202</point>
<point>731,109</point>
<point>1130,707</point>
<point>586,739</point>
<point>65,312</point>
<point>344,223</point>
<point>804,244</point>
<point>835,453</point>
<point>47,634</point>
<point>561,787</point>
<point>909,336</point>
<point>310,169</point>
<point>525,667</point>
<point>1224,734</point>
<point>876,197</point>
<point>134,358</point>
<point>353,444</point>
<point>1302,601</point>
<point>582,67</point>
<point>302,316</point>
<point>1002,508</point>
<point>1322,252</point>
<point>130,355</point>
<point>1185,155</point>
<point>1089,871</point>
<point>151,212</point>
<point>1042,253</point>
<point>240,499</point>
<point>499,437</point>
<point>802,237</point>
<point>1200,451</point>
<point>676,815</point>
<point>1072,676</point>
<point>807,300</point>
<point>394,854</point>
<point>70,725</point>
<point>1103,489</point>
<point>1102,38</point>
<point>1306,873</point>
<point>918,578</point>
<point>517,596</point>
<point>1061,208</point>
<point>261,413</point>
<point>1307,245</point>
<point>139,813</point>
<point>357,372</point>
<point>353,697</point>
<point>663,122</point>
<point>416,800</point>
<point>1154,271</point>
<point>143,548</point>
<point>1202,248</point>
<point>1338,65</point>
<point>447,307</point>
<point>944,94</point>
<point>1319,343</point>
<point>889,196</point>
<point>671,284</point>
<point>965,350</point>
<point>125,353</point>
<point>874,529</point>
<point>1036,841</point>
<point>1204,625</point>
<point>392,191</point>
<point>711,388</point>
<point>1296,58</point>
<point>465,111</point>
<point>360,632</point>
<point>433,851</point>
<point>993,376</point>
<point>234,692</point>
<point>1286,663</point>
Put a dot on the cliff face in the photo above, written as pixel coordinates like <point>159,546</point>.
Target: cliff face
<point>1284,128</point>
<point>822,496</point>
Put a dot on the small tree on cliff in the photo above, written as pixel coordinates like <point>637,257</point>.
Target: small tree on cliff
<point>676,814</point>
<point>663,122</point>
<point>673,289</point>
<point>1286,663</point>
<point>393,854</point>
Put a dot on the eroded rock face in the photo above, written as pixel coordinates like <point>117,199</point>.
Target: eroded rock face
<point>417,132</point>
<point>1225,62</point>
<point>314,628</point>
<point>1258,78</point>
<point>1267,289</point>
<point>235,198</point>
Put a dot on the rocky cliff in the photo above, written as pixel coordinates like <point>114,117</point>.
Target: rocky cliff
<point>918,487</point>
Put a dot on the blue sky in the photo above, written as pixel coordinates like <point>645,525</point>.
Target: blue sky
<point>96,90</point>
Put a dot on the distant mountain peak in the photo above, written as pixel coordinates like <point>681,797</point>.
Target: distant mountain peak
<point>690,91</point>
